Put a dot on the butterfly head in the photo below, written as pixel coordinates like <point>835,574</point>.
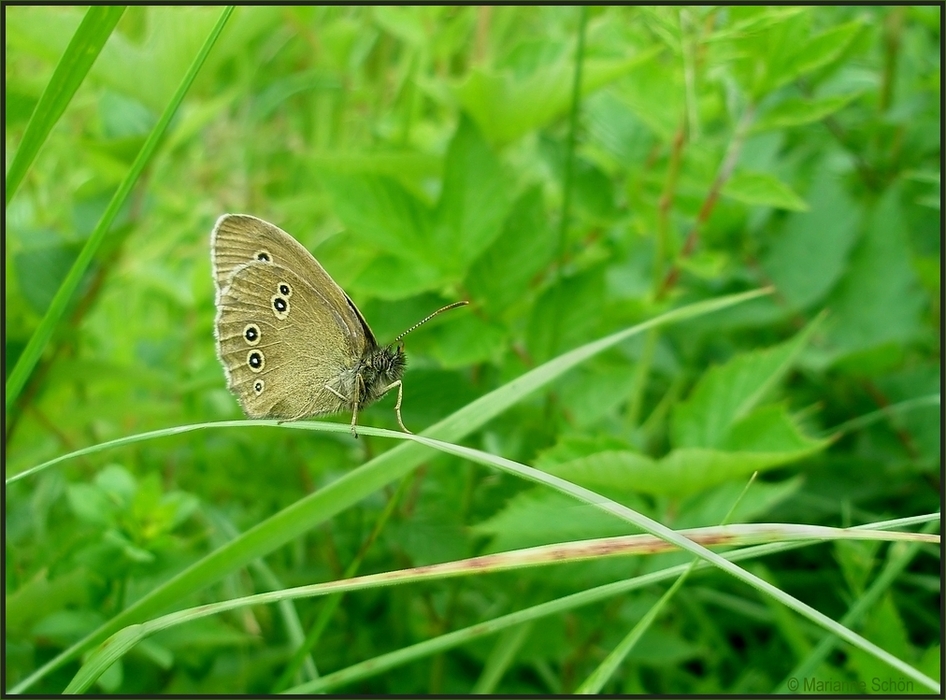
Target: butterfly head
<point>380,369</point>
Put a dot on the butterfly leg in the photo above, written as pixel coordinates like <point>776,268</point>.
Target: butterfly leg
<point>397,406</point>
<point>354,419</point>
<point>354,412</point>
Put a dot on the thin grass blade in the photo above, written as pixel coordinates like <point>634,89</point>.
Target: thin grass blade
<point>80,54</point>
<point>37,343</point>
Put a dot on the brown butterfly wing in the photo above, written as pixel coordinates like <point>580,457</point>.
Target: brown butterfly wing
<point>238,239</point>
<point>284,343</point>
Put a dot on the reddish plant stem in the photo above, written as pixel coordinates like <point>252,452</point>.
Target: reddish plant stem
<point>722,177</point>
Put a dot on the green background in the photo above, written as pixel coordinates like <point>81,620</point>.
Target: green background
<point>426,155</point>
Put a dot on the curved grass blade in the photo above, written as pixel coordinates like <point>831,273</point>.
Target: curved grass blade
<point>436,645</point>
<point>318,507</point>
<point>663,532</point>
<point>57,307</point>
<point>897,560</point>
<point>543,555</point>
<point>80,54</point>
<point>607,668</point>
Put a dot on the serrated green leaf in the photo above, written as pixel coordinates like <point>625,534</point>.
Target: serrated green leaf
<point>727,394</point>
<point>561,318</point>
<point>714,504</point>
<point>768,429</point>
<point>763,189</point>
<point>683,472</point>
<point>541,516</point>
<point>471,340</point>
<point>592,392</point>
<point>690,470</point>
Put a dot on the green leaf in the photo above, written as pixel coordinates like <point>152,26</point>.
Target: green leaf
<point>797,112</point>
<point>91,504</point>
<point>768,429</point>
<point>40,270</point>
<point>647,117</point>
<point>691,470</point>
<point>393,277</point>
<point>41,593</point>
<point>473,203</point>
<point>86,44</point>
<point>825,48</point>
<point>880,272</point>
<point>565,314</point>
<point>542,516</point>
<point>727,394</point>
<point>713,505</point>
<point>767,57</point>
<point>471,340</point>
<point>763,189</point>
<point>379,211</point>
<point>885,625</point>
<point>503,273</point>
<point>592,392</point>
<point>506,106</point>
<point>681,473</point>
<point>809,255</point>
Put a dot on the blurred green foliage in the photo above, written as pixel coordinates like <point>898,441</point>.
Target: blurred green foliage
<point>425,155</point>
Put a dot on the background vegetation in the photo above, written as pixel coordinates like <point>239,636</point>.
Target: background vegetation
<point>432,154</point>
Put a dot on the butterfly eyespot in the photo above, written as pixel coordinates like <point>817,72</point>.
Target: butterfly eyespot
<point>284,289</point>
<point>255,360</point>
<point>263,256</point>
<point>280,307</point>
<point>251,334</point>
<point>258,386</point>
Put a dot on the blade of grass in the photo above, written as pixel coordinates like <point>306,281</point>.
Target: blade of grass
<point>290,616</point>
<point>125,639</point>
<point>428,647</point>
<point>37,343</point>
<point>659,530</point>
<point>895,565</point>
<point>500,658</point>
<point>568,168</point>
<point>318,507</point>
<point>80,54</point>
<point>327,610</point>
<point>541,555</point>
<point>595,681</point>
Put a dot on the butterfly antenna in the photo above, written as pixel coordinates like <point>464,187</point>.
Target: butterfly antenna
<point>438,311</point>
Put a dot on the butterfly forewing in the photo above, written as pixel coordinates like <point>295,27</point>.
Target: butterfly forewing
<point>238,239</point>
